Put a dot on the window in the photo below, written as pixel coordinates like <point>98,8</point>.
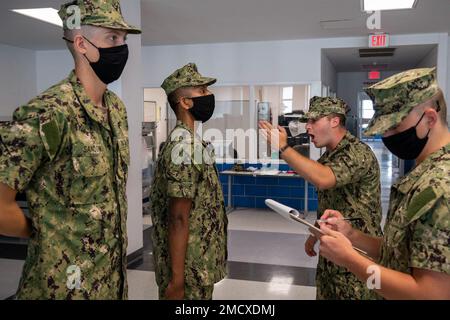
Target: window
<point>367,109</point>
<point>287,98</point>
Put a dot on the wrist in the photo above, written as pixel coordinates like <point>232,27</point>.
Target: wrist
<point>284,147</point>
<point>351,235</point>
<point>355,262</point>
<point>351,259</point>
<point>177,281</point>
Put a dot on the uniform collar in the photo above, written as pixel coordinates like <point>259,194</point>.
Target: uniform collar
<point>184,126</point>
<point>181,124</point>
<point>342,144</point>
<point>93,112</point>
<point>405,184</point>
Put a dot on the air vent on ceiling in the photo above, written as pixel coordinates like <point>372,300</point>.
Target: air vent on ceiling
<point>381,66</point>
<point>375,53</point>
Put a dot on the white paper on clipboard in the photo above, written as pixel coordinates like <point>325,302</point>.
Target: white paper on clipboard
<point>294,215</point>
<point>290,214</point>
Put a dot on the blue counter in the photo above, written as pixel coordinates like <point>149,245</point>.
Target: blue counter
<point>251,192</point>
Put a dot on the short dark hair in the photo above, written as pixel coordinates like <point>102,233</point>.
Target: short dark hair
<point>442,105</point>
<point>342,118</point>
<point>174,97</point>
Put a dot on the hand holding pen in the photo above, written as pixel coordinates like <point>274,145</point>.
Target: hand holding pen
<point>337,219</point>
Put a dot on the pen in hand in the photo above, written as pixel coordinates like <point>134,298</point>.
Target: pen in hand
<point>337,219</point>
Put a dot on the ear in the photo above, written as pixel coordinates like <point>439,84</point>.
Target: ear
<point>186,103</point>
<point>79,44</point>
<point>432,117</point>
<point>334,122</point>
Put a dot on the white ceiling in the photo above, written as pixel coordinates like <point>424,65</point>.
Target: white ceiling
<point>210,21</point>
<point>405,57</point>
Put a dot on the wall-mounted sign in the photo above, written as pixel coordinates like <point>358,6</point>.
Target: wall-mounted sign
<point>374,75</point>
<point>379,40</point>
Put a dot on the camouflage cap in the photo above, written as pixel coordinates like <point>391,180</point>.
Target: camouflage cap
<point>396,96</point>
<point>319,107</point>
<point>186,76</point>
<point>99,13</point>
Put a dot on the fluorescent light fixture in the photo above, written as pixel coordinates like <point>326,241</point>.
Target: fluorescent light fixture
<point>48,15</point>
<point>379,5</point>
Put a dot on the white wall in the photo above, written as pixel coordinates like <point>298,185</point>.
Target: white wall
<point>229,93</point>
<point>270,62</point>
<point>132,94</point>
<point>250,63</point>
<point>430,60</point>
<point>17,78</point>
<point>329,75</point>
<point>52,67</point>
<point>238,63</point>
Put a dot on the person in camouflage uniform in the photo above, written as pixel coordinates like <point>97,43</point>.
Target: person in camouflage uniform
<point>67,149</point>
<point>187,205</point>
<point>413,256</point>
<point>347,176</point>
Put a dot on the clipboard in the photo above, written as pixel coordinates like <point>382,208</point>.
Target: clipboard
<point>294,215</point>
<point>290,214</point>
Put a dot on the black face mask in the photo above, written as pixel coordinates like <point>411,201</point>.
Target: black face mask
<point>406,145</point>
<point>203,108</point>
<point>111,63</point>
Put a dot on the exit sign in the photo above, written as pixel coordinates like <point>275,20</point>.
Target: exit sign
<point>374,75</point>
<point>379,40</point>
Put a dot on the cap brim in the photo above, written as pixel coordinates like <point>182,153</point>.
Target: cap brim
<point>311,116</point>
<point>118,26</point>
<point>200,82</point>
<point>380,124</point>
<point>207,81</point>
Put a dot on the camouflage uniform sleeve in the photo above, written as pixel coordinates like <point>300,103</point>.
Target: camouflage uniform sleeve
<point>26,142</point>
<point>348,168</point>
<point>430,243</point>
<point>182,178</point>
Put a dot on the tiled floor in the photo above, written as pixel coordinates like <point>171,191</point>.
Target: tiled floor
<point>141,288</point>
<point>266,255</point>
<point>9,277</point>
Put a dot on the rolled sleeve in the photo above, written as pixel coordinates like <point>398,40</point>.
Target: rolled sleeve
<point>182,170</point>
<point>182,181</point>
<point>28,141</point>
<point>21,151</point>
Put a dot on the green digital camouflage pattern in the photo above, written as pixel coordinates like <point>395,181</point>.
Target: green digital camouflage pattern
<point>99,13</point>
<point>320,107</point>
<point>182,172</point>
<point>396,96</point>
<point>417,231</point>
<point>73,166</point>
<point>187,76</point>
<point>356,195</point>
